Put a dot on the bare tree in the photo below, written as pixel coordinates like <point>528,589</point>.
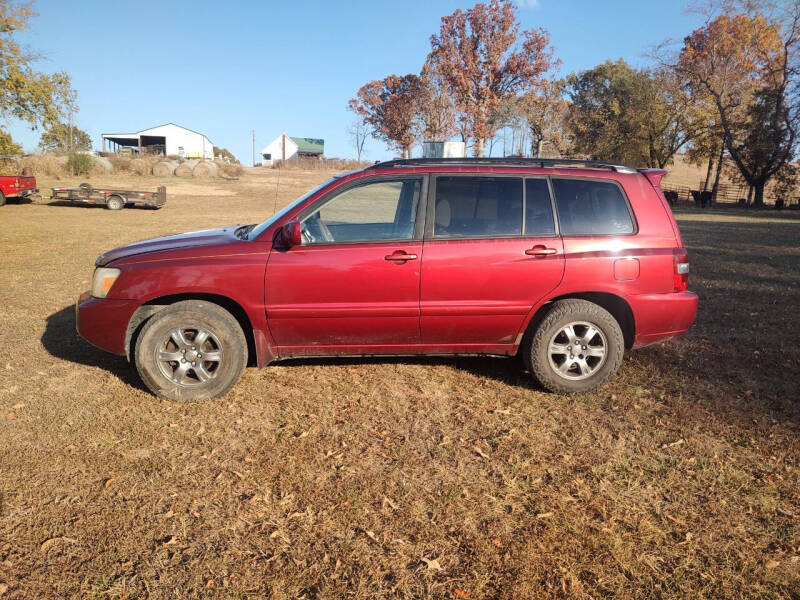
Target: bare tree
<point>358,132</point>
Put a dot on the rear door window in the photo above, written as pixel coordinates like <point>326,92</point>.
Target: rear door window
<point>468,207</point>
<point>591,207</point>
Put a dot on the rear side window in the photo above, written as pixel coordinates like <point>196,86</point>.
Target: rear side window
<point>538,208</point>
<point>477,207</point>
<point>591,208</point>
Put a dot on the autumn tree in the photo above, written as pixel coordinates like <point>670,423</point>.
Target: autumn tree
<point>436,109</point>
<point>61,137</point>
<point>545,112</point>
<point>485,59</point>
<point>25,94</point>
<point>8,145</point>
<point>747,67</point>
<point>389,107</point>
<point>629,115</point>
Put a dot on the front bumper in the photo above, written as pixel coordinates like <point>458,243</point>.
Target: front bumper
<point>103,322</point>
<point>662,316</point>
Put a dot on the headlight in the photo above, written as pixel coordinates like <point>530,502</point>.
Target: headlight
<point>102,281</point>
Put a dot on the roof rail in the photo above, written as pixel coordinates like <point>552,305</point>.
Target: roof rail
<point>527,162</point>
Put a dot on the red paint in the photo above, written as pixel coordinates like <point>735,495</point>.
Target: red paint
<point>421,296</point>
<point>626,269</point>
<point>17,186</point>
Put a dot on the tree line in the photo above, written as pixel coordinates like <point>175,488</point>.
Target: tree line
<point>728,93</point>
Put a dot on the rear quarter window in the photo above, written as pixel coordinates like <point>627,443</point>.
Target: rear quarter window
<point>591,207</point>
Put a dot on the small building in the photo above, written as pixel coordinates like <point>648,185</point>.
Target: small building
<point>284,147</point>
<point>444,149</point>
<point>168,139</point>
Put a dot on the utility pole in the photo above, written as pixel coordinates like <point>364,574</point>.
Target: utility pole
<point>254,147</point>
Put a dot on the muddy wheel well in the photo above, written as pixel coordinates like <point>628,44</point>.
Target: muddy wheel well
<point>617,306</point>
<point>148,309</point>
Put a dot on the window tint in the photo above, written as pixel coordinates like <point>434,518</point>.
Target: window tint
<point>591,207</point>
<point>477,207</point>
<point>538,208</point>
<point>383,210</point>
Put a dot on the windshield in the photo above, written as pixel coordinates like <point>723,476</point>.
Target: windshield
<point>259,229</point>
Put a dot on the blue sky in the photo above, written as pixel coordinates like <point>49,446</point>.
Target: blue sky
<point>227,69</point>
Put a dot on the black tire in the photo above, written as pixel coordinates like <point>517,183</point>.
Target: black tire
<point>226,340</point>
<point>115,202</point>
<point>2,199</point>
<point>543,365</point>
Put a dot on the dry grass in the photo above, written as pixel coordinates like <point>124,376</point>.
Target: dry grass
<point>409,478</point>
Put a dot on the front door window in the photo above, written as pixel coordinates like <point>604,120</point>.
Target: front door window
<point>378,211</point>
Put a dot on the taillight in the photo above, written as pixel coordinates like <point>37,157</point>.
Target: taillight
<point>680,275</point>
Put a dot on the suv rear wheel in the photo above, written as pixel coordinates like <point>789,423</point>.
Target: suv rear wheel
<point>577,347</point>
<point>191,350</point>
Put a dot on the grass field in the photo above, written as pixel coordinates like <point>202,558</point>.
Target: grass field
<point>409,478</point>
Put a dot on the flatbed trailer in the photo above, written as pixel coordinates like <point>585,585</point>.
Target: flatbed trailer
<point>113,199</point>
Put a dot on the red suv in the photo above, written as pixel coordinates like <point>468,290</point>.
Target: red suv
<point>566,263</point>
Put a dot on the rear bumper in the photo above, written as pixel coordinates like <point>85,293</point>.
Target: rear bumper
<point>662,316</point>
<point>103,321</point>
<point>22,193</point>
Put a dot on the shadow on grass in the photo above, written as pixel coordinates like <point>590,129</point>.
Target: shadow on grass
<point>509,371</point>
<point>17,200</point>
<point>61,340</point>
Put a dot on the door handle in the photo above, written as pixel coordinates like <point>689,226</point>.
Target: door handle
<point>540,250</point>
<point>400,256</point>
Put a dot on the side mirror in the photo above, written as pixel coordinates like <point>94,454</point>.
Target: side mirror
<point>292,234</point>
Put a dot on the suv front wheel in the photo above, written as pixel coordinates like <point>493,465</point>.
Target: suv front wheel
<point>191,350</point>
<point>577,347</point>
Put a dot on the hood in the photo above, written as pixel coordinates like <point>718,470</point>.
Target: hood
<point>193,239</point>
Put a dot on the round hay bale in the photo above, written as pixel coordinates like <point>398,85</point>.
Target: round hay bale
<point>206,169</point>
<point>139,166</point>
<point>185,168</point>
<point>102,162</point>
<point>165,168</point>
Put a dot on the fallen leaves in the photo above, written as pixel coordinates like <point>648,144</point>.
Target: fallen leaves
<point>433,565</point>
<point>480,452</point>
<point>673,444</point>
<point>49,543</point>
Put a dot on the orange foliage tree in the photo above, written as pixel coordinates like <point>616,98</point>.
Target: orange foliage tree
<point>479,55</point>
<point>389,107</point>
<point>746,65</point>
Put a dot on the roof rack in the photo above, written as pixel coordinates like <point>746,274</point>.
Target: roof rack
<point>527,162</point>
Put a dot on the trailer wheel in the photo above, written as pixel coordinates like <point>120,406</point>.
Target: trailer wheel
<point>115,202</point>
<point>2,199</point>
